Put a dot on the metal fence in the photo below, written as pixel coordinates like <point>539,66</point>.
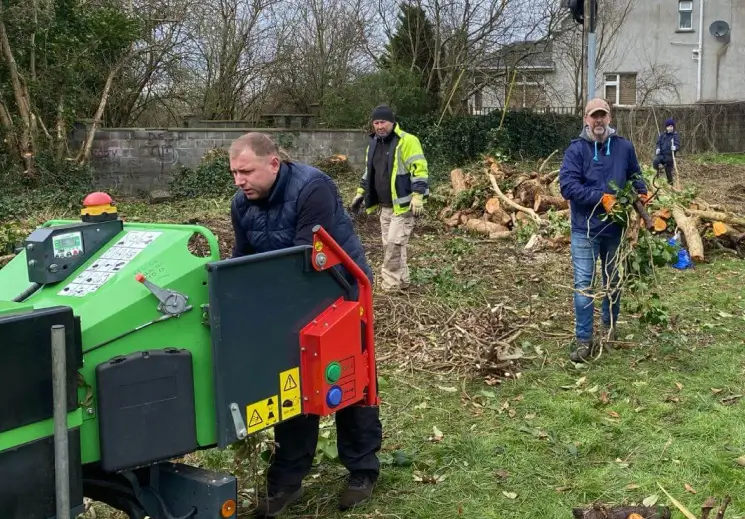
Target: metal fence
<point>703,127</point>
<point>560,110</point>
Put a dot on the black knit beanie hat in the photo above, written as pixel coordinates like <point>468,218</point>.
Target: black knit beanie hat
<point>384,113</point>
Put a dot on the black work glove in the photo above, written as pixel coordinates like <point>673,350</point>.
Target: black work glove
<point>356,206</point>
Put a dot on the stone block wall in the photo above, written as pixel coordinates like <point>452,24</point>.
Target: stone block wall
<point>139,161</point>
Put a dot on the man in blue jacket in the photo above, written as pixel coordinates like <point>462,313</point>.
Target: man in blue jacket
<point>593,162</point>
<point>277,205</point>
<point>667,144</point>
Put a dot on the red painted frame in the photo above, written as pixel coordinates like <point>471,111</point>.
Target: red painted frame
<point>334,255</point>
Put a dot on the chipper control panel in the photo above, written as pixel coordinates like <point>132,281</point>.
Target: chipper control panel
<point>125,348</point>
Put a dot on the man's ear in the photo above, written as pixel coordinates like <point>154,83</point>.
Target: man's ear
<point>275,162</point>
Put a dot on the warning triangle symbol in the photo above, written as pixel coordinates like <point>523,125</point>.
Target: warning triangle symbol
<point>290,383</point>
<point>270,402</point>
<point>255,419</point>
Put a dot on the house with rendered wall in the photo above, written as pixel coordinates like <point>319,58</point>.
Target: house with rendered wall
<point>650,52</point>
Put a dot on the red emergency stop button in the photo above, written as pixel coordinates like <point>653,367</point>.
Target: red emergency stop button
<point>97,198</point>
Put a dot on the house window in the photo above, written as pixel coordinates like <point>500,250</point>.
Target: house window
<point>620,89</point>
<point>685,14</point>
<point>527,92</point>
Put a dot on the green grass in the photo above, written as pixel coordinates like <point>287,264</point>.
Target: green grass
<point>664,411</point>
<point>720,158</point>
<point>558,436</point>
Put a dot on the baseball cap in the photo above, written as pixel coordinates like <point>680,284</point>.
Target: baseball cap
<point>596,105</point>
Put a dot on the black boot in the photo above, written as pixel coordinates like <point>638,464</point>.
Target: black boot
<point>584,351</point>
<point>277,502</point>
<point>358,491</point>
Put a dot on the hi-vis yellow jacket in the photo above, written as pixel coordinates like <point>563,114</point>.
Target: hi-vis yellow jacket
<point>408,170</point>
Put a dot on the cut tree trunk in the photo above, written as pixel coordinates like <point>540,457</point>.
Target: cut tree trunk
<point>663,213</point>
<point>543,203</point>
<point>730,236</point>
<point>484,227</point>
<point>527,192</point>
<point>492,205</point>
<point>722,229</point>
<point>495,212</point>
<point>690,232</point>
<point>513,205</point>
<point>647,512</point>
<point>659,224</point>
<point>501,217</point>
<point>453,221</point>
<point>714,216</point>
<point>458,181</point>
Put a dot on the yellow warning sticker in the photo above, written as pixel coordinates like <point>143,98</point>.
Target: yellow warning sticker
<point>262,414</point>
<point>289,390</point>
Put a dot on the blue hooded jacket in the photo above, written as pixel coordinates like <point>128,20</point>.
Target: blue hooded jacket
<point>665,142</point>
<point>586,173</point>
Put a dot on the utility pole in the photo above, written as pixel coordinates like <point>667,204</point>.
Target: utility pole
<point>590,22</point>
<point>585,62</point>
<point>585,12</point>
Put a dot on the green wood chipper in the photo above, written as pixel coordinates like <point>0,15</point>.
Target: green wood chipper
<point>122,351</point>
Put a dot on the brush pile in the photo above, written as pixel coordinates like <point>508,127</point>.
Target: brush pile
<point>700,224</point>
<point>496,202</point>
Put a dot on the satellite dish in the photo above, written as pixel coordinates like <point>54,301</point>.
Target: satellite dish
<point>720,28</point>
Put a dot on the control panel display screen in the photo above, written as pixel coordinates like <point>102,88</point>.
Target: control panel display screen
<point>67,245</point>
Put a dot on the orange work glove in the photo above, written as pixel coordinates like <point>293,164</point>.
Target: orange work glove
<point>644,197</point>
<point>608,202</point>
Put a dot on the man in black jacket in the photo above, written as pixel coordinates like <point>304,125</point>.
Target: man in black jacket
<point>396,181</point>
<point>277,206</point>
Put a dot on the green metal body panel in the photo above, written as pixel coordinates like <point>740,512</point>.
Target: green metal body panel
<point>13,278</point>
<point>37,430</point>
<point>121,304</point>
<point>8,308</point>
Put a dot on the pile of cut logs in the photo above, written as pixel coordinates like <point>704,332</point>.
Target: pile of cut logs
<point>478,204</point>
<point>494,201</point>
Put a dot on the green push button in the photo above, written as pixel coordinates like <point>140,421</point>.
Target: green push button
<point>333,372</point>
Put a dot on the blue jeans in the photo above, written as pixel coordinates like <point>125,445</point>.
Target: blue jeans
<point>585,253</point>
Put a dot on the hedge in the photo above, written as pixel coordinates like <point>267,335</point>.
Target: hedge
<point>458,140</point>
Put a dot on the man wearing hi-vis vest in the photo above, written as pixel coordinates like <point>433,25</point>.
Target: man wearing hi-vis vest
<point>396,182</point>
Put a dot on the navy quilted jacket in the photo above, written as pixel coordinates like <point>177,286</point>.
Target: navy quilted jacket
<point>301,198</point>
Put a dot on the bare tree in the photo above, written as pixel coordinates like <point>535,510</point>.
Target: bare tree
<point>657,81</point>
<point>469,38</point>
<point>152,77</point>
<point>610,49</point>
<point>323,45</point>
<point>229,55</point>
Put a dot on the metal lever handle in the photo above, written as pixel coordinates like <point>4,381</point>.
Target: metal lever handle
<point>171,302</point>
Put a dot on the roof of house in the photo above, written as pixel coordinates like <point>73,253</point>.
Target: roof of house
<point>535,54</point>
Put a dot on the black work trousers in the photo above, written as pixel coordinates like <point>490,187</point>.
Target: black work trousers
<point>667,161</point>
<point>359,438</point>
